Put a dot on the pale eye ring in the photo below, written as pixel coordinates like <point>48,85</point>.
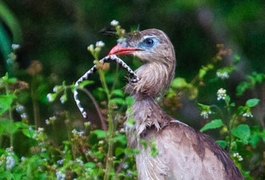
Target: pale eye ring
<point>149,42</point>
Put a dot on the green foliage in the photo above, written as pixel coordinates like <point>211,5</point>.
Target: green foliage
<point>214,124</point>
<point>252,103</point>
<point>234,122</point>
<point>6,102</point>
<point>242,132</point>
<point>85,150</point>
<point>252,81</point>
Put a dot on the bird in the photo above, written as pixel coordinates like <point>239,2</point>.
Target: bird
<point>182,152</point>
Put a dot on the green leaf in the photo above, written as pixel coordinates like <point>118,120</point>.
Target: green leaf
<point>242,88</point>
<point>85,83</point>
<point>129,100</point>
<point>100,133</point>
<point>179,83</point>
<point>204,107</point>
<point>252,102</point>
<point>202,73</point>
<point>214,124</point>
<point>117,101</point>
<point>236,59</point>
<point>242,132</point>
<point>118,93</point>
<point>30,133</point>
<point>119,151</point>
<point>8,127</point>
<point>6,102</point>
<point>121,139</point>
<point>223,144</point>
<point>90,165</point>
<point>254,140</point>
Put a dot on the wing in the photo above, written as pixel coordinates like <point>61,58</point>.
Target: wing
<point>183,153</point>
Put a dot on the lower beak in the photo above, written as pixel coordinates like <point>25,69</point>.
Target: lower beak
<point>119,50</point>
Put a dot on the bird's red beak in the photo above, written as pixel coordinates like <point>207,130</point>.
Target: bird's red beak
<point>119,50</point>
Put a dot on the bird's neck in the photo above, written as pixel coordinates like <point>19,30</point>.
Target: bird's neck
<point>154,77</point>
<point>147,114</point>
<point>154,80</point>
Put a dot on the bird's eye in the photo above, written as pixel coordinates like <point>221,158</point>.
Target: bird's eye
<point>149,42</point>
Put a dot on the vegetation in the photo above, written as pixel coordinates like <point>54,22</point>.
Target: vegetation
<point>42,133</point>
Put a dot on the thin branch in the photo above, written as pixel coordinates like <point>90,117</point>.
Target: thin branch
<point>36,109</point>
<point>116,77</point>
<point>102,120</point>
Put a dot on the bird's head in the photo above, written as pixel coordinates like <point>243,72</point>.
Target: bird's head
<point>151,45</point>
<point>154,48</point>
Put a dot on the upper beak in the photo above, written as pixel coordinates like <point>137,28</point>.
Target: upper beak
<point>120,50</point>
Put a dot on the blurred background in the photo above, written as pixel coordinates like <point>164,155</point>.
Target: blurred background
<point>53,36</point>
<point>57,32</point>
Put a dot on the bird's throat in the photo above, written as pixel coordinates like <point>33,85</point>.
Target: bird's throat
<point>155,78</point>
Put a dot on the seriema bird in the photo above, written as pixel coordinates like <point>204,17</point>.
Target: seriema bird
<point>183,153</point>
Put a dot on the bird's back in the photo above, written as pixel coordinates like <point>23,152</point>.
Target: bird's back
<point>179,152</point>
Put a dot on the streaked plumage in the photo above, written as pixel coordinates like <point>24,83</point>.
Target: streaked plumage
<point>183,153</point>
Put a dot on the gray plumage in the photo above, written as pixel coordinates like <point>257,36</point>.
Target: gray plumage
<point>183,153</point>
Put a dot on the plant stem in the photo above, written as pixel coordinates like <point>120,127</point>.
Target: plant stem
<point>102,120</point>
<point>230,127</point>
<point>111,129</point>
<point>231,119</point>
<point>10,118</point>
<point>109,158</point>
<point>36,110</point>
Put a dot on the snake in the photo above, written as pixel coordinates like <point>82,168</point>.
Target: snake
<point>110,58</point>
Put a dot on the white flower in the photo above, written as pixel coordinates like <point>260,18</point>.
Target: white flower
<point>238,156</point>
<point>47,122</point>
<point>60,175</point>
<point>55,89</point>
<point>20,108</point>
<point>248,114</point>
<point>43,149</point>
<point>100,44</point>
<point>24,116</point>
<point>40,129</point>
<point>114,23</point>
<point>53,118</point>
<point>205,114</point>
<point>60,162</point>
<point>90,48</point>
<point>78,133</point>
<point>122,130</point>
<point>63,99</point>
<point>10,162</point>
<point>222,75</point>
<point>79,161</point>
<point>50,97</point>
<point>235,154</point>
<point>125,166</point>
<point>87,124</point>
<point>50,120</point>
<point>15,46</point>
<point>221,94</point>
<point>81,133</point>
<point>10,149</point>
<point>23,159</point>
<point>74,131</point>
